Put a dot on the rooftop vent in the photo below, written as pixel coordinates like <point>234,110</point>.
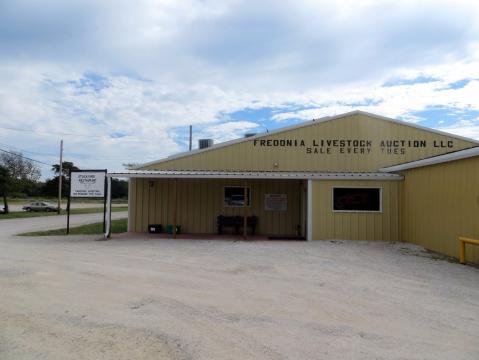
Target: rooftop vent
<point>205,143</point>
<point>249,135</point>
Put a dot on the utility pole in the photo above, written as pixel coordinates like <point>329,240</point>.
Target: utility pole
<point>191,135</point>
<point>60,177</point>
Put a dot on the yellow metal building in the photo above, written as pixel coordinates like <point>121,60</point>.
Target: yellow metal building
<point>440,201</point>
<point>331,178</point>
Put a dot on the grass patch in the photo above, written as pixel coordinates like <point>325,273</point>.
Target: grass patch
<point>117,226</point>
<point>26,214</point>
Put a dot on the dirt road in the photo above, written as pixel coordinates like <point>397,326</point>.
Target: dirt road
<point>14,226</point>
<point>19,207</point>
<point>76,298</point>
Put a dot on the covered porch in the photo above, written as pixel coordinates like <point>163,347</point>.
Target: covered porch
<point>271,204</point>
<point>211,203</point>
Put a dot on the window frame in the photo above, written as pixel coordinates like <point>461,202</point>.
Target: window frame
<point>237,186</point>
<point>380,188</point>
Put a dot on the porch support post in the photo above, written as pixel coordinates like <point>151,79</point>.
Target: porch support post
<point>309,218</point>
<point>245,203</point>
<point>175,211</point>
<point>130,210</point>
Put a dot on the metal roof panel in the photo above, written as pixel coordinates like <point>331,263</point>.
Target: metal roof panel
<point>288,175</point>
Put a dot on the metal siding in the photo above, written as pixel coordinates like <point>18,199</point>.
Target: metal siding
<point>441,203</point>
<point>244,156</point>
<point>201,201</point>
<point>355,225</point>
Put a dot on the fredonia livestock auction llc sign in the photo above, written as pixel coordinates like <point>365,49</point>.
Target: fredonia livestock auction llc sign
<point>87,183</point>
<point>353,146</point>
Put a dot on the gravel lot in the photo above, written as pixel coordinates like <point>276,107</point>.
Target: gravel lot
<point>77,298</point>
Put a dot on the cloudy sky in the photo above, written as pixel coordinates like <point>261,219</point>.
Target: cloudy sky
<point>120,81</point>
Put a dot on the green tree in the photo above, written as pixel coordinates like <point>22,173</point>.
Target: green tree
<point>119,188</point>
<point>67,166</point>
<point>5,183</point>
<point>23,173</point>
<point>19,167</point>
<point>51,187</point>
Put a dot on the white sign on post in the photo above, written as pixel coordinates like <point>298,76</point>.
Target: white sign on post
<point>87,184</point>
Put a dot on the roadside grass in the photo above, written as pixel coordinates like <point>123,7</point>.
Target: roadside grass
<point>117,226</point>
<point>26,214</point>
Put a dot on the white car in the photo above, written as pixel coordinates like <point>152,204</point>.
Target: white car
<point>40,206</point>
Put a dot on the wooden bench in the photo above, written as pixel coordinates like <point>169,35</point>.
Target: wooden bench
<point>237,222</point>
<point>462,247</point>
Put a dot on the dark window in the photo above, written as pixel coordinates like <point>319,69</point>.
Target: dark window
<point>356,199</point>
<point>234,196</point>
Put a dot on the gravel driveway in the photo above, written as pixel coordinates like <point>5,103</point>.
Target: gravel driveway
<point>76,298</point>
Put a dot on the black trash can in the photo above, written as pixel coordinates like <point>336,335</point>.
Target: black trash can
<point>155,228</point>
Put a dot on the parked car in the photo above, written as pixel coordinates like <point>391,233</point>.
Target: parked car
<point>40,206</point>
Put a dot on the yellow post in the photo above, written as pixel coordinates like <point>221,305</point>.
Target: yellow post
<point>462,247</point>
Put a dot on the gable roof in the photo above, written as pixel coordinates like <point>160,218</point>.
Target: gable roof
<point>298,126</point>
<point>438,159</point>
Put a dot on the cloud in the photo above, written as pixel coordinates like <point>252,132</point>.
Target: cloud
<point>228,130</point>
<point>468,129</point>
<point>405,97</point>
<point>132,77</point>
<point>262,47</point>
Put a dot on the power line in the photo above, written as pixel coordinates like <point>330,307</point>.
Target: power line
<point>28,151</point>
<point>24,157</point>
<point>73,155</point>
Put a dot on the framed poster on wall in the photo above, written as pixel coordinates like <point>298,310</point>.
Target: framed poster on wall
<point>276,202</point>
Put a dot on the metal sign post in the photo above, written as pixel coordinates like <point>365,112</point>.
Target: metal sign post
<point>87,184</point>
<point>68,201</point>
<point>107,232</point>
<point>104,205</point>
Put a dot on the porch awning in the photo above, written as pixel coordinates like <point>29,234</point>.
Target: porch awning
<point>284,175</point>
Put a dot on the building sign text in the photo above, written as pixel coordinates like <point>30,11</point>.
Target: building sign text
<point>353,146</point>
